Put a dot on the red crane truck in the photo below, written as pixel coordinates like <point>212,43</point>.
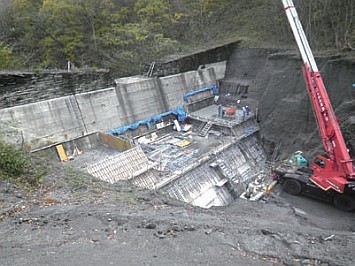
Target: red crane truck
<point>331,178</point>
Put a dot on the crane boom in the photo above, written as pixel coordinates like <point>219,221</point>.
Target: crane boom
<point>338,169</point>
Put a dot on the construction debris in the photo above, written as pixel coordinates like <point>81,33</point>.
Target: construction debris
<point>259,188</point>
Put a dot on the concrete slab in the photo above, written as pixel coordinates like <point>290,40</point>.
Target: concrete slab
<point>211,113</point>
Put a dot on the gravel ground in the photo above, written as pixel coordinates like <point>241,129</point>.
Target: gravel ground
<point>73,219</point>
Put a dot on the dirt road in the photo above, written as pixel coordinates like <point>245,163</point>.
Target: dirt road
<point>73,220</point>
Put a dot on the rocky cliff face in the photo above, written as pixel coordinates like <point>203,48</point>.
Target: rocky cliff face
<point>286,117</point>
<point>174,64</point>
<point>18,88</point>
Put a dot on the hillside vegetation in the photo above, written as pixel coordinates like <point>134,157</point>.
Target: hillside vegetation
<point>124,35</point>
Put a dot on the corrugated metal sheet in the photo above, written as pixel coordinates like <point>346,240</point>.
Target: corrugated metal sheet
<point>123,166</point>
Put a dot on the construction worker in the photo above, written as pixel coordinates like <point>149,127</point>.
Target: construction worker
<point>244,112</point>
<point>298,159</point>
<point>247,110</point>
<point>220,110</point>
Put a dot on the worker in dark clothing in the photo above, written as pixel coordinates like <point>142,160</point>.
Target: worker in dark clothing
<point>220,110</point>
<point>223,111</point>
<point>247,110</point>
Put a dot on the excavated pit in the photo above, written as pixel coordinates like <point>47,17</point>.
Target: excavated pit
<point>209,162</point>
<point>72,221</point>
<point>213,161</point>
<point>211,165</point>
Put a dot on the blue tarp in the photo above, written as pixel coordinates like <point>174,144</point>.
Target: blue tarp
<point>178,112</point>
<point>213,88</point>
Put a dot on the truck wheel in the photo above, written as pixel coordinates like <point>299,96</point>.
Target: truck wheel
<point>344,203</point>
<point>292,187</point>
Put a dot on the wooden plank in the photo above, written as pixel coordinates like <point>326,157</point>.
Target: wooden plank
<point>183,143</point>
<point>61,152</point>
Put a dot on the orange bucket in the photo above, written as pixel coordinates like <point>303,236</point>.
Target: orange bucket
<point>230,111</point>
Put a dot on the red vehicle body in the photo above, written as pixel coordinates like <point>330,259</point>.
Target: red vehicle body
<point>334,176</point>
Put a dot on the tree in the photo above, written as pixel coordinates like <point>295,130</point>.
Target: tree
<point>7,60</point>
<point>22,31</point>
<point>125,34</point>
<point>158,16</point>
<point>64,32</point>
<point>328,23</point>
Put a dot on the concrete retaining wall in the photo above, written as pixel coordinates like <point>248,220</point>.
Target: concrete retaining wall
<point>139,98</point>
<point>202,186</point>
<point>43,123</point>
<point>173,87</point>
<point>100,109</point>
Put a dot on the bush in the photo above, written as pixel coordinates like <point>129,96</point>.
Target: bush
<point>7,58</point>
<point>12,162</point>
<point>16,167</point>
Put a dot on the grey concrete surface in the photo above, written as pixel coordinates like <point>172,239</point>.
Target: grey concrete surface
<point>136,98</point>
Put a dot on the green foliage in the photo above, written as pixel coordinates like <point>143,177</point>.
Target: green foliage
<point>152,10</point>
<point>37,70</point>
<point>155,14</point>
<point>64,38</point>
<point>12,162</point>
<point>15,166</point>
<point>132,45</point>
<point>6,56</point>
<point>117,34</point>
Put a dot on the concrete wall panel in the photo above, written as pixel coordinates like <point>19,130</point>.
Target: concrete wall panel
<point>193,81</point>
<point>133,99</point>
<point>100,110</point>
<point>140,98</point>
<point>219,69</point>
<point>46,122</point>
<point>173,88</point>
<point>201,78</point>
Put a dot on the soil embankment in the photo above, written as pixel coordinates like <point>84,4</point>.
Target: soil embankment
<point>286,117</point>
<point>74,220</point>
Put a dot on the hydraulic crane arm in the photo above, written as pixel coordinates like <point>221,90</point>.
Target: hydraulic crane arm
<point>339,168</point>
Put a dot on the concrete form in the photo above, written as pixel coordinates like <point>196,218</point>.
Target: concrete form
<point>204,171</point>
<point>41,124</point>
<point>209,169</point>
